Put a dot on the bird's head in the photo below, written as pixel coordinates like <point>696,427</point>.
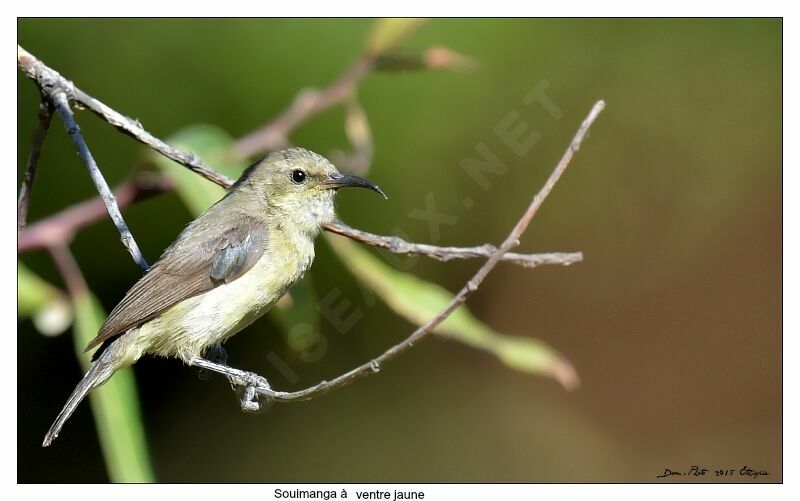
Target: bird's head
<point>299,186</point>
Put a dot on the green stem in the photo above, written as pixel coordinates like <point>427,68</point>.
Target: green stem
<point>115,405</point>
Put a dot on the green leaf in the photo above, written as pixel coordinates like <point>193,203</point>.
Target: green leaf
<point>213,145</point>
<point>418,301</point>
<point>386,34</point>
<point>115,404</point>
<point>47,306</point>
<point>210,143</point>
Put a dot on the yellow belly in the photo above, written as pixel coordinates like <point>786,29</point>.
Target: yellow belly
<point>187,329</point>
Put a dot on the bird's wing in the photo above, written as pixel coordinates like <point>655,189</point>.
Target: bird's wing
<point>203,257</point>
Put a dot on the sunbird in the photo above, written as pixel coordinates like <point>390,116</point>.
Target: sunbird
<point>225,269</point>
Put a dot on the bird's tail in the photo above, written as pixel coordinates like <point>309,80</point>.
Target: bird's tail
<point>100,371</point>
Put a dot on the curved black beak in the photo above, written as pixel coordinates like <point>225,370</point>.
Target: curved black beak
<point>336,181</point>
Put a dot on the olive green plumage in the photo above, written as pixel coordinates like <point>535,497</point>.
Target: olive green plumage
<point>225,269</point>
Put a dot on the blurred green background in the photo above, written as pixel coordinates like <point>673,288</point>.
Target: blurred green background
<point>672,321</point>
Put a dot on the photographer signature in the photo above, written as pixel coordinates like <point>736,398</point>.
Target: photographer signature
<point>700,471</point>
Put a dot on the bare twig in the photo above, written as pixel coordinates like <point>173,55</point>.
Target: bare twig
<point>50,81</point>
<point>45,117</point>
<point>471,286</point>
<point>400,246</point>
<point>356,127</point>
<point>274,135</point>
<point>60,228</point>
<point>65,112</point>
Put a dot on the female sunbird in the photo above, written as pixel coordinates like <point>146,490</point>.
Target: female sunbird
<point>225,269</point>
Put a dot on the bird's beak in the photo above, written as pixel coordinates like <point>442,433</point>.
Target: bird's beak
<point>337,180</point>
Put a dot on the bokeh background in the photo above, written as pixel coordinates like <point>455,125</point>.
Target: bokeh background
<point>672,321</point>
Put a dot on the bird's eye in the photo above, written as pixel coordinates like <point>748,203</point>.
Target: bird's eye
<point>298,176</point>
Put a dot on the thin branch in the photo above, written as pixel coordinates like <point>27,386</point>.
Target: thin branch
<point>45,117</point>
<point>357,130</point>
<point>60,228</point>
<point>400,246</point>
<point>69,270</point>
<point>50,81</point>
<point>471,286</point>
<point>274,135</point>
<point>65,112</point>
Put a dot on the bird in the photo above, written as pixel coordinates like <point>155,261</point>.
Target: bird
<point>222,272</point>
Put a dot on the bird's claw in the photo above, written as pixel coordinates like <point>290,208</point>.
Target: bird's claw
<point>250,398</point>
<point>250,401</point>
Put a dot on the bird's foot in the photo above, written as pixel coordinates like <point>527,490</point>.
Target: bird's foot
<point>247,386</point>
<point>254,391</point>
<point>249,379</point>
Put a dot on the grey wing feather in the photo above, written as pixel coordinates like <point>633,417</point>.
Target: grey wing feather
<point>232,261</point>
<point>225,261</point>
<point>202,258</point>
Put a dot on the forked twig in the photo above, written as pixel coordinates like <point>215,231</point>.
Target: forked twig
<point>65,112</point>
<point>49,80</point>
<point>274,135</point>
